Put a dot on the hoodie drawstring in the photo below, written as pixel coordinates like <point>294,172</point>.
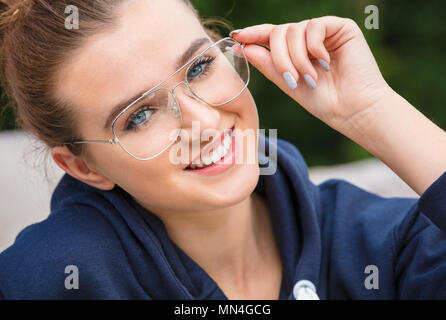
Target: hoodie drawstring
<point>305,290</point>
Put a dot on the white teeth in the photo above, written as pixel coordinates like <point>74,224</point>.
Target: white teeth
<point>227,141</point>
<point>221,151</point>
<point>217,154</point>
<point>207,160</point>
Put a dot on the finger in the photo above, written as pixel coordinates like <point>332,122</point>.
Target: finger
<point>315,37</point>
<point>297,47</point>
<point>258,34</point>
<point>262,60</point>
<point>281,57</point>
<point>337,30</point>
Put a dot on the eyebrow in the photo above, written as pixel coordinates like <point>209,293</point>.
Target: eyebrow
<point>194,46</point>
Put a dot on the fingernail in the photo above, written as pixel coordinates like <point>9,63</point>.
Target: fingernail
<point>309,80</point>
<point>290,80</point>
<point>234,31</point>
<point>324,65</point>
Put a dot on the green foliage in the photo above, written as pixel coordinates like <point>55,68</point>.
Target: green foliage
<point>408,47</point>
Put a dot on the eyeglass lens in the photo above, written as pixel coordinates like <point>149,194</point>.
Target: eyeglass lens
<point>153,123</point>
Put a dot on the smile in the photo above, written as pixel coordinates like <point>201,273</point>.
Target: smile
<point>216,157</point>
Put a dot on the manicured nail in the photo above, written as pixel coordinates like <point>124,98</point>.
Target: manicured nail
<point>290,80</point>
<point>309,80</point>
<point>324,65</point>
<point>234,31</point>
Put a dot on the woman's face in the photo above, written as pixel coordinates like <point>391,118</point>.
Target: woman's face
<point>142,51</point>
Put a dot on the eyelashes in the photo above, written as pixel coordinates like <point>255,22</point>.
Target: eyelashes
<point>203,61</point>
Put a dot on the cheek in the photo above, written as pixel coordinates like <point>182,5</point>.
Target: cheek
<point>158,184</point>
<point>248,110</point>
<point>149,183</point>
<point>244,111</point>
<point>141,179</point>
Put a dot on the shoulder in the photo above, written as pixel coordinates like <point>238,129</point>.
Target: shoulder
<point>346,203</point>
<point>35,266</point>
<point>356,215</point>
<point>362,229</point>
<point>345,198</point>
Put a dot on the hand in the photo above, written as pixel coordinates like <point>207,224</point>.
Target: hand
<point>341,95</point>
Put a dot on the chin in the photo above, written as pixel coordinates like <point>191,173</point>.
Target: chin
<point>229,191</point>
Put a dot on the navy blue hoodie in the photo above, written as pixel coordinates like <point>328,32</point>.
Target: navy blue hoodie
<point>335,236</point>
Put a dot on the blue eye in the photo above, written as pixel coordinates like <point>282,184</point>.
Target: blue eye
<point>195,71</point>
<point>140,118</point>
<point>200,68</point>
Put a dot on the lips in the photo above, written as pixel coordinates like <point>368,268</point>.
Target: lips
<point>213,152</point>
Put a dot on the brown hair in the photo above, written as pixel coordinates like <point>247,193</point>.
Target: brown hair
<point>34,44</point>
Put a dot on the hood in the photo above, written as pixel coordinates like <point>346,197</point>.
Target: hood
<point>164,271</point>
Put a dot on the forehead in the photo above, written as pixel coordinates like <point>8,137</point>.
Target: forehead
<point>143,49</point>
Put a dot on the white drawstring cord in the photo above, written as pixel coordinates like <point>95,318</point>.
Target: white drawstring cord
<point>305,290</point>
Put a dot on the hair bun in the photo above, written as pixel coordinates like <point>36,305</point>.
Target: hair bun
<point>10,11</point>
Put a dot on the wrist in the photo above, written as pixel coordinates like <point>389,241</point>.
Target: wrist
<point>398,134</point>
<point>369,126</point>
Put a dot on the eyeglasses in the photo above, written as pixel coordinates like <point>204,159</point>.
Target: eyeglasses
<point>153,122</point>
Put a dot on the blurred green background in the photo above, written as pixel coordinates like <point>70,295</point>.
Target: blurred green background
<point>409,47</point>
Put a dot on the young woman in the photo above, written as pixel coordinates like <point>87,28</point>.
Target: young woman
<point>140,78</point>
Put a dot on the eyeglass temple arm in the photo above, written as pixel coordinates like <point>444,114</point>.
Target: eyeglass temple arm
<point>112,141</point>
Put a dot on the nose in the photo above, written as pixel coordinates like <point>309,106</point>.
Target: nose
<point>193,109</point>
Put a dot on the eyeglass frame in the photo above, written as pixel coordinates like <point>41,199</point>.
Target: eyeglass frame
<point>177,108</point>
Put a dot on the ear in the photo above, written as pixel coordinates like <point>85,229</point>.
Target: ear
<point>76,167</point>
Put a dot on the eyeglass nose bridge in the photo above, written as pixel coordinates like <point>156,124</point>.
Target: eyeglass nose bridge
<point>176,107</point>
<point>192,94</point>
